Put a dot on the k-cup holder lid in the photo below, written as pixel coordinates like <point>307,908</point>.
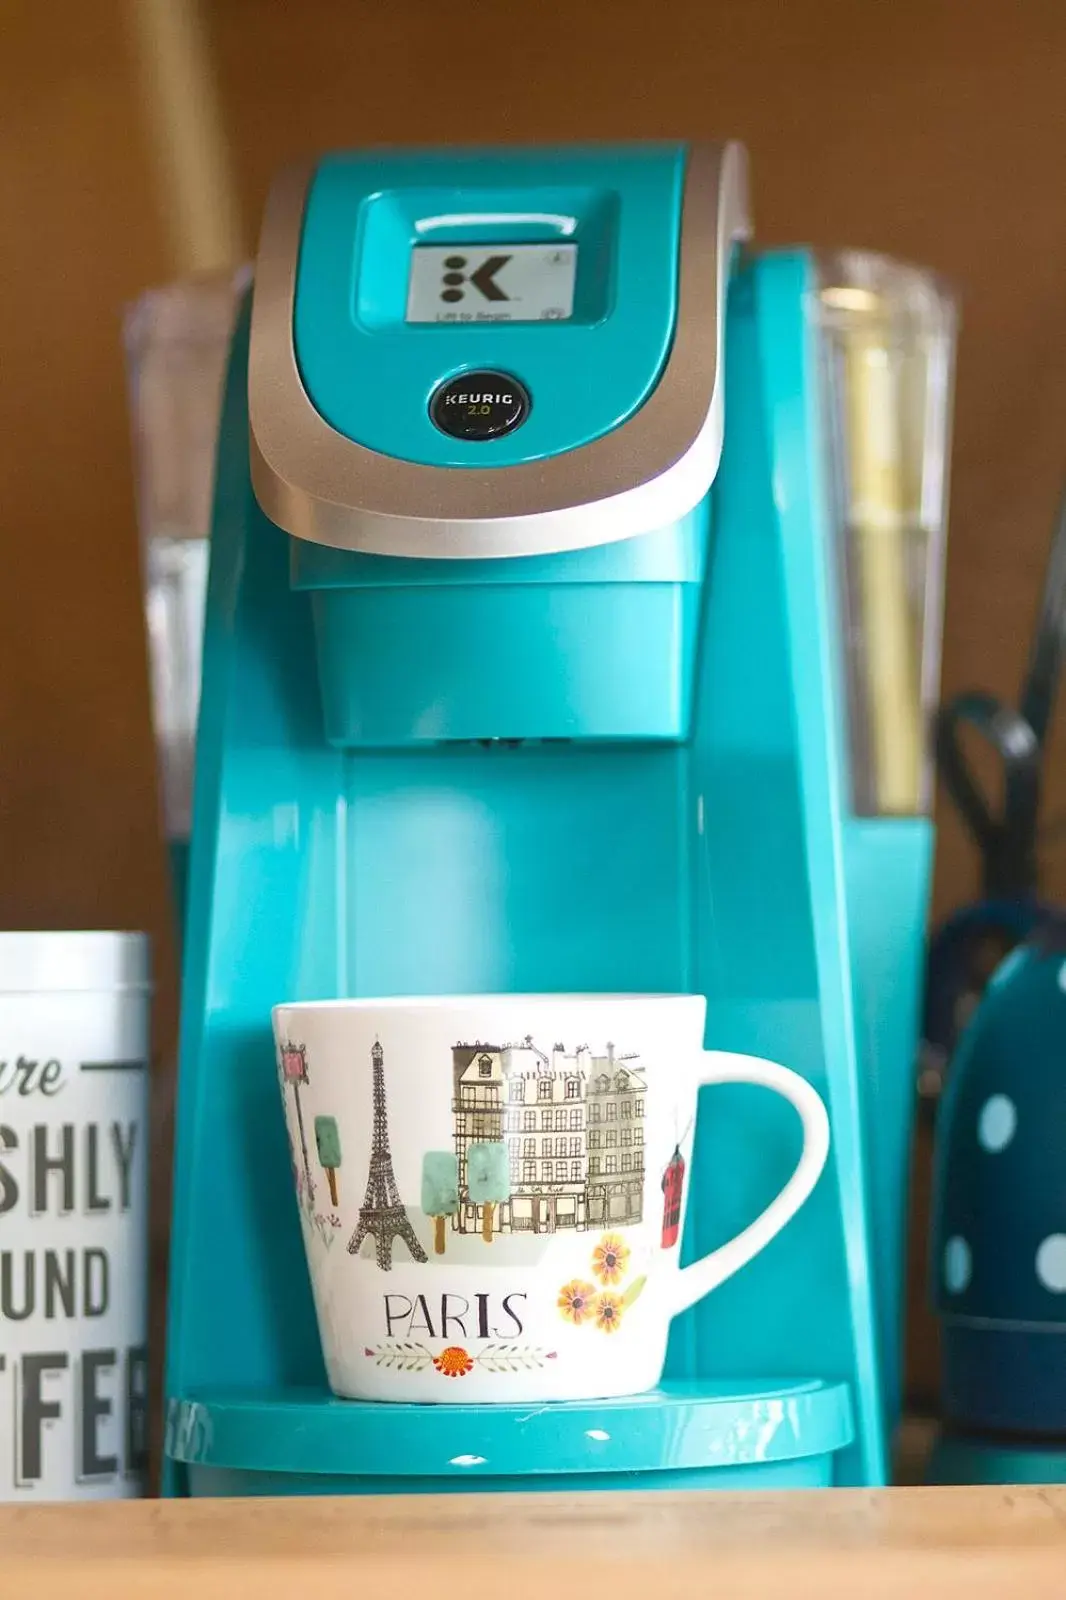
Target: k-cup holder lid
<point>90,962</point>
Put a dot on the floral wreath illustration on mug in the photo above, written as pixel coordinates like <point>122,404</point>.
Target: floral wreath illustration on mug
<point>404,1355</point>
<point>579,1303</point>
<point>584,1305</point>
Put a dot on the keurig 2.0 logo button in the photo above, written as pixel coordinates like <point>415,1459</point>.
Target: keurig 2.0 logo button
<point>479,405</point>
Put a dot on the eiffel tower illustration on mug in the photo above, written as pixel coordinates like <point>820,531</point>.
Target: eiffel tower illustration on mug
<point>382,1213</point>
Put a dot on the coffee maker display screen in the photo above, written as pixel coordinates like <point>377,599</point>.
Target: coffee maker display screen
<point>492,283</point>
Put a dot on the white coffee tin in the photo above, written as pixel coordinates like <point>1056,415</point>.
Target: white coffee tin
<point>74,1080</point>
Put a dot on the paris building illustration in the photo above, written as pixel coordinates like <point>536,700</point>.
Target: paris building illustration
<point>567,1131</point>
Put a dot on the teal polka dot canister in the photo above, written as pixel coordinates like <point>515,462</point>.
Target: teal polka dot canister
<point>998,1257</point>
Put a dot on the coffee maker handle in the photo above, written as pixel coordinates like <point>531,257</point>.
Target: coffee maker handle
<point>720,1066</point>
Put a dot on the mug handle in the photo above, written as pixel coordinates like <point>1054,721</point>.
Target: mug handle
<point>723,1066</point>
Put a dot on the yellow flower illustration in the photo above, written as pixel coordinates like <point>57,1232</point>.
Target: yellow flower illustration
<point>577,1301</point>
<point>608,1308</point>
<point>610,1258</point>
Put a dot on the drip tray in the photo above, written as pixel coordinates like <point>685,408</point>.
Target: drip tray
<point>768,1433</point>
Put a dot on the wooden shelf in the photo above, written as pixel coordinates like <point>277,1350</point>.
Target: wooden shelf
<point>941,1544</point>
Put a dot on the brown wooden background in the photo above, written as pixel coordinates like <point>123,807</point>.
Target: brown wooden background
<point>935,131</point>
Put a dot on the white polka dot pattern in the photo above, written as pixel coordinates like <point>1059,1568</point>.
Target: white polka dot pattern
<point>996,1123</point>
<point>958,1265</point>
<point>1051,1263</point>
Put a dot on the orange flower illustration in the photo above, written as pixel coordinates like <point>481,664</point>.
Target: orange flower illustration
<point>577,1301</point>
<point>608,1308</point>
<point>453,1362</point>
<point>610,1259</point>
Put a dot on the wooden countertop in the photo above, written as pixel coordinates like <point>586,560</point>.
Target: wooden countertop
<point>935,1544</point>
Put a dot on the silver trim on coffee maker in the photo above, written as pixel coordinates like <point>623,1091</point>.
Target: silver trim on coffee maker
<point>644,474</point>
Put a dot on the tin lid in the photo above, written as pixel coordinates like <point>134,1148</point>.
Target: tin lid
<point>72,963</point>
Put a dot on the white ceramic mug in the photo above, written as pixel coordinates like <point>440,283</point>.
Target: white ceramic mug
<point>492,1189</point>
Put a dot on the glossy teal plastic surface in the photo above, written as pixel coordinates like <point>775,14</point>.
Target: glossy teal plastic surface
<point>371,375</point>
<point>593,644</point>
<point>805,1472</point>
<point>888,866</point>
<point>719,862</point>
<point>679,1430</point>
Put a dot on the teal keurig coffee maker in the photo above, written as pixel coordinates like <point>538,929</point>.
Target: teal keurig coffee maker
<point>572,620</point>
